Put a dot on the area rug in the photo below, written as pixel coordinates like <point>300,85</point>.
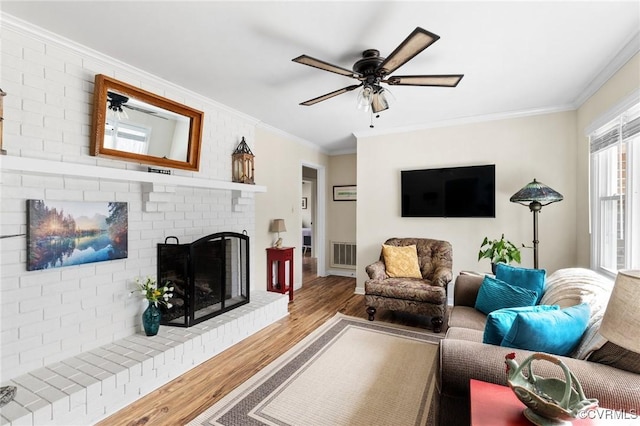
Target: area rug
<point>349,371</point>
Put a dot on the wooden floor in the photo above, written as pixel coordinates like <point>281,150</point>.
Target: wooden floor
<point>181,400</point>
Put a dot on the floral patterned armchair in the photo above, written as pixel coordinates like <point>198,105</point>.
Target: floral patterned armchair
<point>421,296</point>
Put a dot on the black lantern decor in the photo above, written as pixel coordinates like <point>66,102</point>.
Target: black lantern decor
<point>242,164</point>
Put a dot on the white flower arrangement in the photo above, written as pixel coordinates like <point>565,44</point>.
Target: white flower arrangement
<point>154,294</point>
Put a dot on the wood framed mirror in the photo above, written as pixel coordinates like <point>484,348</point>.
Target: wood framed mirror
<point>132,124</point>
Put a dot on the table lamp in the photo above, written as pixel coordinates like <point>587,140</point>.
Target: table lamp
<point>621,321</point>
<point>277,225</point>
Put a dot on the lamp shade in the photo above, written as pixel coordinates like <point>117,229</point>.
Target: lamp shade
<point>621,321</point>
<point>277,225</point>
<point>536,192</point>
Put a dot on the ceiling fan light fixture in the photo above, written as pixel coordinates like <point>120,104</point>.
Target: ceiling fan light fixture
<point>365,97</point>
<point>379,101</point>
<point>114,105</point>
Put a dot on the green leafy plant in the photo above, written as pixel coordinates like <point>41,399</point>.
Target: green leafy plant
<point>499,251</point>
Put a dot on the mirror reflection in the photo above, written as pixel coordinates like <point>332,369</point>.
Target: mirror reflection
<point>135,125</point>
<point>140,128</point>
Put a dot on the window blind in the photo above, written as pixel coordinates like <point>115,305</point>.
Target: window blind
<point>610,134</point>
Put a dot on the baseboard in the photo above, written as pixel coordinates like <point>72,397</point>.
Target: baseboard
<point>342,272</point>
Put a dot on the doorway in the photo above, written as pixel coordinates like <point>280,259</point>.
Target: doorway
<point>313,218</point>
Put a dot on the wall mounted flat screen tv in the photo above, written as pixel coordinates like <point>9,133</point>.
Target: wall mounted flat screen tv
<point>449,192</point>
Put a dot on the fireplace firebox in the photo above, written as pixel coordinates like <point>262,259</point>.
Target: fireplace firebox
<point>210,276</point>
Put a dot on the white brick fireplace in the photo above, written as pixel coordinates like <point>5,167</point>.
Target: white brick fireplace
<point>49,317</point>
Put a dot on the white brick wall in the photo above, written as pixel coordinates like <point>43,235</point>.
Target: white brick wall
<point>85,388</point>
<point>47,316</point>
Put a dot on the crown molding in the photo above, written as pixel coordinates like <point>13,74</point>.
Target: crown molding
<point>25,28</point>
<point>345,151</point>
<point>613,65</point>
<point>614,111</point>
<point>466,120</point>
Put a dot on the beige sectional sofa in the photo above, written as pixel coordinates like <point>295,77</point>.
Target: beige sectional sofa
<point>463,356</point>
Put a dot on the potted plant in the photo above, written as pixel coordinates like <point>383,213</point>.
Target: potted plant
<point>498,251</point>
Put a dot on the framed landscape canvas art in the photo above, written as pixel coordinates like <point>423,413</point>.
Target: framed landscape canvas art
<point>65,233</point>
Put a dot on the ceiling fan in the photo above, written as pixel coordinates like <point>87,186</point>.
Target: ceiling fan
<point>116,101</point>
<point>372,70</point>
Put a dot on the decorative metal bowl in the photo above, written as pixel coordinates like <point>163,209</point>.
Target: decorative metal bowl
<point>549,401</point>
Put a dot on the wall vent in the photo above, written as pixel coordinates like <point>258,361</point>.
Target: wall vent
<point>343,255</point>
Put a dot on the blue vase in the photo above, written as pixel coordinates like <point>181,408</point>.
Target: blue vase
<point>151,319</point>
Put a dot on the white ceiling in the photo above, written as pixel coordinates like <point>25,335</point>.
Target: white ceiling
<point>516,56</point>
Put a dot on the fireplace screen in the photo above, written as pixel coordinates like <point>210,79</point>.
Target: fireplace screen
<point>210,276</point>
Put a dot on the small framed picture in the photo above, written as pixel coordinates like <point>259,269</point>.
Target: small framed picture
<point>304,203</point>
<point>344,193</point>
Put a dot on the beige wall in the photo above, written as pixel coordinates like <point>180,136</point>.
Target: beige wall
<point>542,147</point>
<point>278,166</point>
<point>625,81</point>
<point>341,215</point>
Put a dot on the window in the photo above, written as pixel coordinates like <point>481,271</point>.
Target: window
<point>615,193</point>
<point>126,137</point>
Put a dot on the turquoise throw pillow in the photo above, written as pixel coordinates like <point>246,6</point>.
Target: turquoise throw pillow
<point>532,279</point>
<point>499,322</point>
<point>555,332</point>
<point>495,294</point>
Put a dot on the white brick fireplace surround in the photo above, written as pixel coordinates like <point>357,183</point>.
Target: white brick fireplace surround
<point>65,332</point>
<point>86,388</point>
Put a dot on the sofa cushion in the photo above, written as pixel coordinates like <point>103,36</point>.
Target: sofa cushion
<point>466,317</point>
<point>499,322</point>
<point>496,294</point>
<point>618,357</point>
<point>418,290</point>
<point>555,332</point>
<point>532,279</point>
<point>467,334</point>
<point>401,261</point>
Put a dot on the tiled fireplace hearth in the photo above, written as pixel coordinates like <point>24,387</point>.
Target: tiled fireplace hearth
<point>95,384</point>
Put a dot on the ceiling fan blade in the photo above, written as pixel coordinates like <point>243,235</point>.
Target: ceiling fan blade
<point>326,66</point>
<point>417,41</point>
<point>330,95</point>
<point>144,111</point>
<point>450,80</point>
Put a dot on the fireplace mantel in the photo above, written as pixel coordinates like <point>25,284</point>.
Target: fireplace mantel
<point>39,166</point>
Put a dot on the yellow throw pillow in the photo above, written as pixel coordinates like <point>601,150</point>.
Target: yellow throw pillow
<point>401,262</point>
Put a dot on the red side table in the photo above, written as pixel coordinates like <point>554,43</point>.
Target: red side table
<point>280,256</point>
<point>496,405</point>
